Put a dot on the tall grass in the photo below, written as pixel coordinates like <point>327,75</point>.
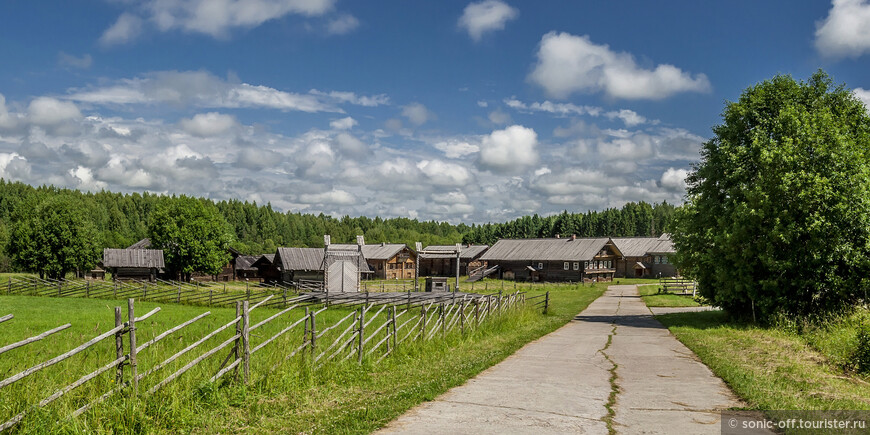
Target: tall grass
<point>336,398</point>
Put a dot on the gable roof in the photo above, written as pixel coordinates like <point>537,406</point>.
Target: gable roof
<point>140,258</point>
<point>142,244</point>
<point>641,246</point>
<point>470,252</point>
<point>310,259</point>
<point>246,262</point>
<point>580,249</point>
<point>384,251</point>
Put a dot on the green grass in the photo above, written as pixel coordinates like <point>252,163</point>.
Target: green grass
<point>769,368</point>
<point>653,298</point>
<point>339,398</point>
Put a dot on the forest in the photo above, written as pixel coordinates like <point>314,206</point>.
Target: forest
<point>120,220</point>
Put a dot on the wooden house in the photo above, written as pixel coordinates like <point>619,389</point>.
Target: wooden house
<point>645,257</point>
<point>390,260</point>
<point>245,269</point>
<point>293,264</point>
<point>445,264</point>
<point>133,264</point>
<point>569,259</point>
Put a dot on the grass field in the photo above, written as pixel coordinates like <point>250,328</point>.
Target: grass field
<point>771,368</point>
<point>338,398</point>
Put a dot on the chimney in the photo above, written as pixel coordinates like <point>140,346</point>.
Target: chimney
<point>573,237</point>
<point>557,236</point>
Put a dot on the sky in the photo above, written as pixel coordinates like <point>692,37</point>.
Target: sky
<point>446,110</point>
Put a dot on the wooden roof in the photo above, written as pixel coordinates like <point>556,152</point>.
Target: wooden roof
<point>384,251</point>
<point>580,249</point>
<point>642,246</point>
<point>142,244</point>
<point>310,259</point>
<point>246,262</point>
<point>137,258</point>
<point>470,252</point>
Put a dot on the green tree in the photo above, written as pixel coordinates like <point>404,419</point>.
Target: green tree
<point>194,236</point>
<point>53,237</point>
<point>778,210</point>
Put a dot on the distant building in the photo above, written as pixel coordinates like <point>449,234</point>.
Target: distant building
<point>445,264</point>
<point>390,260</point>
<point>133,264</point>
<point>569,259</point>
<point>645,257</point>
<point>293,264</point>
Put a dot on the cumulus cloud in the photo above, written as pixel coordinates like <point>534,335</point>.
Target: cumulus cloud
<point>498,117</point>
<point>568,64</point>
<point>561,109</point>
<point>332,197</point>
<point>860,93</point>
<point>125,29</point>
<point>442,173</point>
<point>486,16</point>
<point>509,150</point>
<point>417,113</point>
<point>674,179</point>
<point>350,145</point>
<point>7,120</point>
<point>846,29</point>
<point>629,117</point>
<point>343,123</point>
<point>213,18</point>
<point>208,124</point>
<point>47,111</point>
<point>353,98</point>
<point>342,24</point>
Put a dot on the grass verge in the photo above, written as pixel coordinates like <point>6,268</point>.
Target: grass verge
<point>653,298</point>
<point>339,398</point>
<point>769,368</point>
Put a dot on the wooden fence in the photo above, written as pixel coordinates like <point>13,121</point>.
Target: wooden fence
<point>685,287</point>
<point>371,329</point>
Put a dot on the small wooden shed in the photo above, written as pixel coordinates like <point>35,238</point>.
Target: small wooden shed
<point>133,264</point>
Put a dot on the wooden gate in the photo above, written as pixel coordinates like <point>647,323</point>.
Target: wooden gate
<point>343,277</point>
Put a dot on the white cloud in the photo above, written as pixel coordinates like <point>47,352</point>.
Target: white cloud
<point>86,179</point>
<point>846,29</point>
<point>674,179</point>
<point>14,167</point>
<point>509,150</point>
<point>334,197</point>
<point>498,117</point>
<point>860,93</point>
<point>343,123</point>
<point>454,197</point>
<point>7,120</point>
<point>569,64</point>
<point>47,111</point>
<point>629,117</point>
<point>486,16</point>
<point>455,149</point>
<point>417,113</point>
<point>443,173</point>
<point>482,103</point>
<point>209,124</point>
<point>342,24</point>
<point>199,89</point>
<point>83,62</point>
<point>561,109</point>
<point>352,98</point>
<point>126,28</point>
<point>349,144</point>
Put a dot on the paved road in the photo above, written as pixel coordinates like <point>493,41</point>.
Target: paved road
<point>561,383</point>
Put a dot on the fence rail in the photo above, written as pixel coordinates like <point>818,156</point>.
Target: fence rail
<point>374,327</point>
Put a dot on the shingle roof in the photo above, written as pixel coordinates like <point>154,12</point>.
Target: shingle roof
<point>311,259</point>
<point>246,262</point>
<point>382,252</point>
<point>580,249</point>
<point>466,252</point>
<point>145,258</point>
<point>641,246</point>
<point>142,244</point>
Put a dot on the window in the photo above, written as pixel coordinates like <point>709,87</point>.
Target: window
<point>540,266</point>
<point>566,266</point>
<point>586,265</point>
<point>664,259</point>
<point>576,265</point>
<point>658,259</point>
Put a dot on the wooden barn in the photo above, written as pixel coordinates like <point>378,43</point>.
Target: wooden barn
<point>245,269</point>
<point>645,257</point>
<point>133,264</point>
<point>390,260</point>
<point>569,259</point>
<point>445,264</point>
<point>293,264</point>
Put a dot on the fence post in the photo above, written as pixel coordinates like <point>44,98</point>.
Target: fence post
<point>409,295</point>
<point>133,364</point>
<point>462,317</point>
<point>423,323</point>
<point>313,332</point>
<point>546,302</point>
<point>88,289</point>
<point>178,298</point>
<point>246,343</point>
<point>119,347</point>
<point>443,321</point>
<point>393,319</point>
<point>9,292</point>
<point>362,324</point>
<point>210,294</point>
<point>247,290</point>
<point>237,345</point>
<point>58,289</point>
<point>115,291</point>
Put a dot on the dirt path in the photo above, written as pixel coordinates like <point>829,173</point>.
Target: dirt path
<point>613,366</point>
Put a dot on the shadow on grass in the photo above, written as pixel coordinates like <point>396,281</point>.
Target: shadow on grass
<point>699,320</point>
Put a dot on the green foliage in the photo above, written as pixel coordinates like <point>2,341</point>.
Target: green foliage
<point>53,237</point>
<point>778,211</point>
<point>861,354</point>
<point>194,236</point>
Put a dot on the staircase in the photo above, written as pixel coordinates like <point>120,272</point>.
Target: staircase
<point>481,273</point>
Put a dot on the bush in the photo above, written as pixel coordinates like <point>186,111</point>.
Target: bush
<point>861,355</point>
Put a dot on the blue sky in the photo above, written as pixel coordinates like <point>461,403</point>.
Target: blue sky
<point>449,110</point>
